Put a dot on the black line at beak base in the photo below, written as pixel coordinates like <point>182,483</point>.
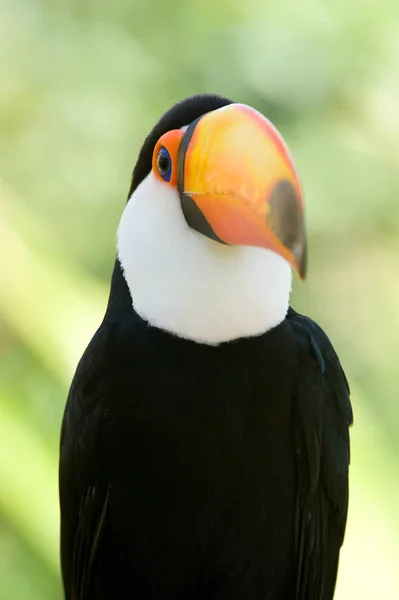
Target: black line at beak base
<point>195,218</point>
<point>188,134</point>
<point>193,215</point>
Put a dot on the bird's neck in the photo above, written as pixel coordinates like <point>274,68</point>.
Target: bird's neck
<point>193,287</point>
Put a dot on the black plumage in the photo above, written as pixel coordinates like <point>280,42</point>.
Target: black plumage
<point>194,471</point>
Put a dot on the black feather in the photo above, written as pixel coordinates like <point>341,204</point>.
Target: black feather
<point>323,415</point>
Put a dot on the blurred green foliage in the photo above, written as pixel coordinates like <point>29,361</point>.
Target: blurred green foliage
<point>81,83</point>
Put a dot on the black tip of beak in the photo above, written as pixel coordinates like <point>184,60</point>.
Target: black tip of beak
<point>285,218</point>
<point>301,259</point>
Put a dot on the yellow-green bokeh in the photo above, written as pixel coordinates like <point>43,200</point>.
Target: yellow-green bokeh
<point>81,84</point>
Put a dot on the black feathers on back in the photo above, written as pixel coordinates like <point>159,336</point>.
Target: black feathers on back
<point>322,416</point>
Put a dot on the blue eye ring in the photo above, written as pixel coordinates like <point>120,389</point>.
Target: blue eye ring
<point>164,164</point>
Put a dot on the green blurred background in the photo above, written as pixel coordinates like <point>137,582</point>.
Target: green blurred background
<point>81,83</point>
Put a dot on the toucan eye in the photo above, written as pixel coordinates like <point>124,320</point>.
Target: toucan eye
<point>164,164</point>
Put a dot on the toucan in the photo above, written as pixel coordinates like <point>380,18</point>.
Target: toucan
<point>205,444</point>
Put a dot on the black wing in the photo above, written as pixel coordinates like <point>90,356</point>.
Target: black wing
<point>84,483</point>
<point>322,417</point>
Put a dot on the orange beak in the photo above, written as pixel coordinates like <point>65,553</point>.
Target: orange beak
<point>238,184</point>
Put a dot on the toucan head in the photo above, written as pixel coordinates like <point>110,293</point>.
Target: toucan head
<point>236,181</point>
<point>218,176</point>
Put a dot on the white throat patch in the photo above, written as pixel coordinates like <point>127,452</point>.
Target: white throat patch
<point>189,285</point>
